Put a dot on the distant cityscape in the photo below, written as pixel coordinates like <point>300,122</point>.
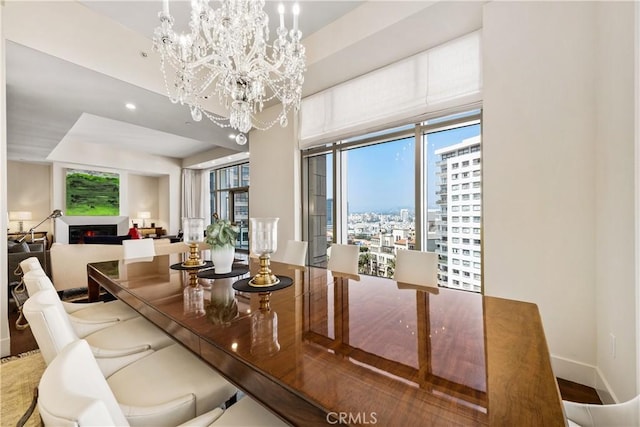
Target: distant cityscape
<point>453,229</point>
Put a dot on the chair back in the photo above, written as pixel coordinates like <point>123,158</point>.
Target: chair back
<point>74,392</point>
<point>31,263</point>
<point>595,415</point>
<point>416,268</point>
<point>49,323</point>
<point>138,248</point>
<point>37,280</point>
<point>343,261</point>
<point>294,254</point>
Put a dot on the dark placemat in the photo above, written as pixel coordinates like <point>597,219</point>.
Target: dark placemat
<point>179,266</point>
<point>236,270</point>
<point>244,286</point>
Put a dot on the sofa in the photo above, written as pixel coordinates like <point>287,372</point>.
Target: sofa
<point>18,252</point>
<point>69,261</point>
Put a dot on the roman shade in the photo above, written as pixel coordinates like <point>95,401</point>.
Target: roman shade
<point>439,79</point>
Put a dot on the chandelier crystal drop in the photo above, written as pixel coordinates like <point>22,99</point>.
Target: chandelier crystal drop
<point>227,54</point>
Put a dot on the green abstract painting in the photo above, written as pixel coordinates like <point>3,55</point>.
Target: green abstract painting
<point>92,193</point>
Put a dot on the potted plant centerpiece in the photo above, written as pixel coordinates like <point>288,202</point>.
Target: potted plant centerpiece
<point>221,236</point>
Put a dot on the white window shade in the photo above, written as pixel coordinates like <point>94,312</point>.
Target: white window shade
<point>437,79</point>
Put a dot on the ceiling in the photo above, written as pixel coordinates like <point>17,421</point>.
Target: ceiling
<point>72,66</point>
<point>52,101</point>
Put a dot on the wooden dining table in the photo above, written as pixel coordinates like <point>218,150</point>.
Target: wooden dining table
<point>329,350</point>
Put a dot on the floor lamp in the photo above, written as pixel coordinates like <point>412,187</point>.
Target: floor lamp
<point>55,214</point>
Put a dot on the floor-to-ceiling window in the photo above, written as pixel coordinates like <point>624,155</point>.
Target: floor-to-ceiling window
<point>414,187</point>
<point>230,198</point>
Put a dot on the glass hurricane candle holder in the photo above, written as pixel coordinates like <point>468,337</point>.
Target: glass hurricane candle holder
<point>193,233</point>
<point>264,242</point>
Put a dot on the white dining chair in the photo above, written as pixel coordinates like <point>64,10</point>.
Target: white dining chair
<point>343,261</point>
<point>96,312</point>
<point>31,263</point>
<point>116,345</point>
<point>294,254</point>
<point>616,415</point>
<point>72,391</point>
<point>416,268</point>
<point>138,249</point>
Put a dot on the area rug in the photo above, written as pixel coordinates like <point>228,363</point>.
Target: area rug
<point>19,376</point>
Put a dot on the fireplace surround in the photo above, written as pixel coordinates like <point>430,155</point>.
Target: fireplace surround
<point>68,229</point>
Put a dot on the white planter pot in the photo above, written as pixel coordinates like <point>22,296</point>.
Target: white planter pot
<point>222,258</point>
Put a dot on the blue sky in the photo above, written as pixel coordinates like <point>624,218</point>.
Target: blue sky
<point>381,177</point>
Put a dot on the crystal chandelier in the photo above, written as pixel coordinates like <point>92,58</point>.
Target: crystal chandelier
<point>227,54</point>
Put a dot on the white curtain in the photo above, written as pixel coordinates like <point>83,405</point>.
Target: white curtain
<point>195,194</point>
<point>438,79</point>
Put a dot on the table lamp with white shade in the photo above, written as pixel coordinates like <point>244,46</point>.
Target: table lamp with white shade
<point>20,216</point>
<point>144,215</point>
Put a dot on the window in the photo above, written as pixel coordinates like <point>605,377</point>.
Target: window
<point>229,198</point>
<point>362,190</point>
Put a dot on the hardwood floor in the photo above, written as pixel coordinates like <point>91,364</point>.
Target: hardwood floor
<point>577,392</point>
<point>23,341</point>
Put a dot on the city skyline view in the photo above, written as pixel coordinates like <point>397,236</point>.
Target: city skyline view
<point>380,178</point>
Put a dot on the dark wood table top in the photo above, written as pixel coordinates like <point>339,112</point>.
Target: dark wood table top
<point>325,351</point>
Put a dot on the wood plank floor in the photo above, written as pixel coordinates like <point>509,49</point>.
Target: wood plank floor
<point>23,341</point>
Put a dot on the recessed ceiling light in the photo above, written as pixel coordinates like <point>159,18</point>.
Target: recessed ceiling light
<point>130,106</point>
<point>232,136</point>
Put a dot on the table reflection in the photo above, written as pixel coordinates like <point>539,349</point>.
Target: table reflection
<point>264,328</point>
<point>435,341</point>
<point>222,307</point>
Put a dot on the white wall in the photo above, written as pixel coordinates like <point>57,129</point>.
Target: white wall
<point>547,184</point>
<point>144,195</point>
<point>615,203</point>
<point>274,189</point>
<point>5,343</point>
<point>29,189</point>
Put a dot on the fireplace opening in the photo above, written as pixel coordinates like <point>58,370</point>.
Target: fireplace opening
<point>80,233</point>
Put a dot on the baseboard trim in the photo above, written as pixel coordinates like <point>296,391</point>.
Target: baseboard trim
<point>585,374</point>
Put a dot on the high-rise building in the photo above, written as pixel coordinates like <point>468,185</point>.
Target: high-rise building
<point>460,219</point>
<point>404,215</point>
